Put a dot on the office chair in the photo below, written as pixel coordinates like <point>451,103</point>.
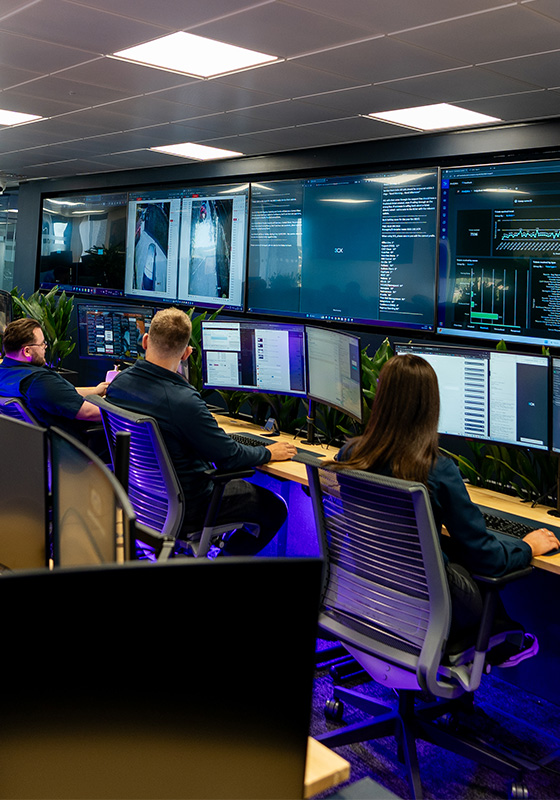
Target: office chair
<point>386,599</point>
<point>15,408</point>
<point>153,486</point>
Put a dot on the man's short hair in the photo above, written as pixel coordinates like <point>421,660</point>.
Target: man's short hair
<point>170,331</point>
<point>19,333</point>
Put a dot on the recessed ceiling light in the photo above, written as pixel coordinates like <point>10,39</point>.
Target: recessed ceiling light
<point>434,117</point>
<point>16,118</point>
<point>194,55</point>
<point>199,152</point>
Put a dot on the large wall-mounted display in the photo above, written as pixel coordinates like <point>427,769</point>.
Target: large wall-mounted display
<point>355,249</point>
<point>500,252</point>
<point>188,245</point>
<point>83,243</point>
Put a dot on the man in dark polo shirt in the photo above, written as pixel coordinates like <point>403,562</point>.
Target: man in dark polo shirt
<point>194,439</point>
<point>49,396</point>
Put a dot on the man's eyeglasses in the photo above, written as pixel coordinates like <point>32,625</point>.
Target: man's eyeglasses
<point>36,344</point>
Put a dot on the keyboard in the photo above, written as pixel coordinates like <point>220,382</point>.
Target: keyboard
<point>514,527</point>
<point>253,440</point>
<point>508,526</point>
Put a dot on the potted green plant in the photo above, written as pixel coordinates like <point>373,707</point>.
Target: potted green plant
<point>53,313</point>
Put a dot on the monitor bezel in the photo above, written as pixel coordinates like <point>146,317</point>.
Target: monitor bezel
<point>321,400</point>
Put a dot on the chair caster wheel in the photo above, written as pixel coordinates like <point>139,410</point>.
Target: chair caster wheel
<point>518,791</point>
<point>334,709</point>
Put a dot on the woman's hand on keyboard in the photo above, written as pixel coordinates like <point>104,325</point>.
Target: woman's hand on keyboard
<point>541,541</point>
<point>282,451</point>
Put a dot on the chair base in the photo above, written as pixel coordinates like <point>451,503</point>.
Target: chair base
<point>411,721</point>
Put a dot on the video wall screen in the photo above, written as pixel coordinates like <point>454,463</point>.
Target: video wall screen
<point>500,252</point>
<point>83,243</point>
<point>355,249</point>
<point>188,245</point>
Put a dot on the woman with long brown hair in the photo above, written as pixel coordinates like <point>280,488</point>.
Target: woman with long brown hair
<point>401,440</point>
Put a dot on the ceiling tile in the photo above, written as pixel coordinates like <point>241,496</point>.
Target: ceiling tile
<point>386,17</point>
<point>288,79</point>
<point>474,39</point>
<point>281,30</point>
<point>14,100</point>
<point>380,60</point>
<point>549,8</point>
<point>216,96</point>
<point>461,84</point>
<point>291,112</point>
<point>367,99</point>
<point>542,70</point>
<point>173,14</point>
<point>131,79</point>
<point>71,94</point>
<point>529,105</point>
<point>67,24</point>
<point>25,52</point>
<point>10,76</point>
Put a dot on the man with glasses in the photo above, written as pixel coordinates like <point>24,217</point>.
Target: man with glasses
<point>47,395</point>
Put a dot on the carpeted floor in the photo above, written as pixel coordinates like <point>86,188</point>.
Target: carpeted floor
<point>502,713</point>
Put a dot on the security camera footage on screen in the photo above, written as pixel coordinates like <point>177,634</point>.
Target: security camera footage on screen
<point>489,394</point>
<point>359,249</point>
<point>254,356</point>
<point>188,245</point>
<point>500,252</point>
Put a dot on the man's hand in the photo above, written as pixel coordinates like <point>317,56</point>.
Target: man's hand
<point>100,389</point>
<point>281,451</point>
<point>541,541</point>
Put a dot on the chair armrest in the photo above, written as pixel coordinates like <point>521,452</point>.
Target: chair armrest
<point>493,586</point>
<point>221,477</point>
<point>503,579</point>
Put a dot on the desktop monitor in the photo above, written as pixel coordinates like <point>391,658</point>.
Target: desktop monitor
<point>188,245</point>
<point>334,370</point>
<point>499,258</point>
<point>83,243</point>
<point>254,356</point>
<point>23,495</point>
<point>351,249</point>
<point>92,519</point>
<point>159,680</point>
<point>111,331</point>
<point>491,395</point>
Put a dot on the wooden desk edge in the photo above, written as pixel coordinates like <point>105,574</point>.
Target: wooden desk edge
<point>324,769</point>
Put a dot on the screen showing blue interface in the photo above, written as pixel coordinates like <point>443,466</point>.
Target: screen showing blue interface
<point>83,243</point>
<point>500,252</point>
<point>492,395</point>
<point>254,357</point>
<point>112,331</point>
<point>334,370</point>
<point>358,249</point>
<point>188,245</point>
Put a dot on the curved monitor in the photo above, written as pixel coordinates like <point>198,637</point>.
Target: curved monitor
<point>500,252</point>
<point>188,245</point>
<point>353,249</point>
<point>334,370</point>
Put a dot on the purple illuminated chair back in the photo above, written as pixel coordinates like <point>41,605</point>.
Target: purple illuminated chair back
<point>14,407</point>
<point>153,487</point>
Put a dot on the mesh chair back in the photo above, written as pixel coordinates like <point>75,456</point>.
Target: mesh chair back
<point>386,590</point>
<point>14,407</point>
<point>154,490</point>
